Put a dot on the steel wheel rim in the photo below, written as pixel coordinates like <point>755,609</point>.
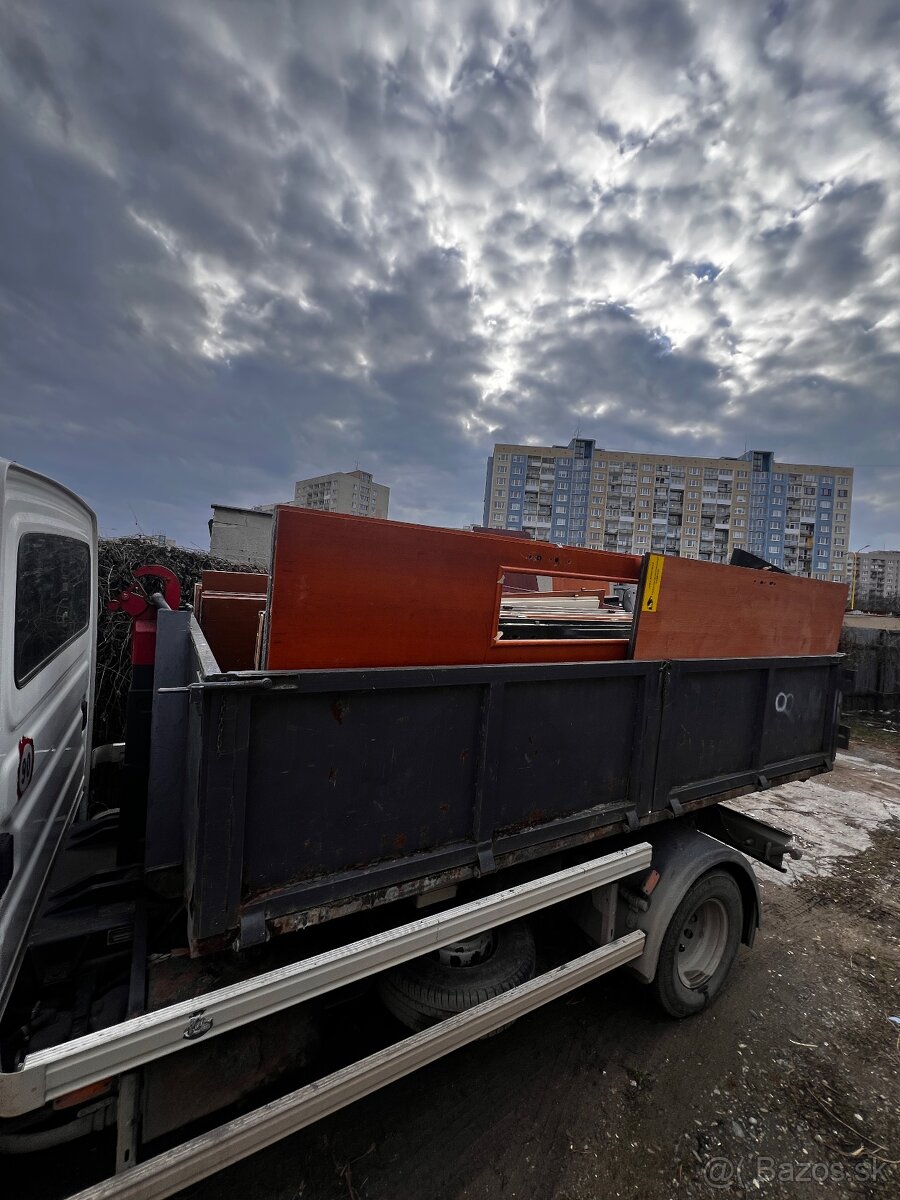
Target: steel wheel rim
<point>702,940</point>
<point>468,952</point>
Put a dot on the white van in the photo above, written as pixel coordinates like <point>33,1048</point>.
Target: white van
<point>48,614</point>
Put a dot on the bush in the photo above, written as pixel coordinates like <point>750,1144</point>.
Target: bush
<point>117,560</point>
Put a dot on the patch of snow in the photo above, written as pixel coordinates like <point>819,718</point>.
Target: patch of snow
<point>829,819</point>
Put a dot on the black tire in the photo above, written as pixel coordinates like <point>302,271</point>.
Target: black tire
<point>424,991</point>
<point>682,992</point>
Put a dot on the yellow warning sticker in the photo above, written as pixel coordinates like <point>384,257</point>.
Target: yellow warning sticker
<point>651,586</point>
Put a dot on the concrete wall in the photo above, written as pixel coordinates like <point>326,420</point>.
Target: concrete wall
<point>241,535</point>
<point>874,655</point>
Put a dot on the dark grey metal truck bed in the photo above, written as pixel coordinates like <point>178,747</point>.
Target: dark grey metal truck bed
<point>310,793</point>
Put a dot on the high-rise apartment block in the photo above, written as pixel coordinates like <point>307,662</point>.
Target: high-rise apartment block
<point>877,582</point>
<point>794,515</point>
<point>244,535</point>
<point>344,492</point>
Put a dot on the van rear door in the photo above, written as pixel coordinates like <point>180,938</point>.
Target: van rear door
<point>48,613</point>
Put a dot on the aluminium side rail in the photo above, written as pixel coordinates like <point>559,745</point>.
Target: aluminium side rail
<point>203,1156</point>
<point>52,1073</point>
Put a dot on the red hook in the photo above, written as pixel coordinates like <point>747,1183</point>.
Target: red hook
<point>135,601</point>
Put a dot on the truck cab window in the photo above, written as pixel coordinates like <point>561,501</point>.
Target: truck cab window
<point>53,604</point>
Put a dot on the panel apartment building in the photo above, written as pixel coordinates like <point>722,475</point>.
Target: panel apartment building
<point>352,492</point>
<point>244,535</point>
<point>794,515</point>
<point>877,583</point>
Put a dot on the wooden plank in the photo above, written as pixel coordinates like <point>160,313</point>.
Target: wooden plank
<point>243,582</point>
<point>694,609</point>
<point>230,624</point>
<point>259,646</point>
<point>359,592</point>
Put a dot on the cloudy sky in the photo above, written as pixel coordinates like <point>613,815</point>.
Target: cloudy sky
<point>245,242</point>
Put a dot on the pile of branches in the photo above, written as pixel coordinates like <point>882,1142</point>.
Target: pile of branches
<point>117,560</point>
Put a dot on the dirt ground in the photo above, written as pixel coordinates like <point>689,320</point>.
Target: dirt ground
<point>788,1086</point>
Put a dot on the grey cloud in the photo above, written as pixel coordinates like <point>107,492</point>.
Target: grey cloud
<point>239,244</point>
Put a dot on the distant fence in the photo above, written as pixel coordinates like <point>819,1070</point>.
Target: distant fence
<point>874,656</point>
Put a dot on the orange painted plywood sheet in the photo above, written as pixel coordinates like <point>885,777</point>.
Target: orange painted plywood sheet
<point>693,609</point>
<point>356,592</point>
<point>230,625</point>
<point>243,582</point>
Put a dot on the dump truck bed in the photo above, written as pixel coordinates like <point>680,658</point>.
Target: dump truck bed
<point>306,794</point>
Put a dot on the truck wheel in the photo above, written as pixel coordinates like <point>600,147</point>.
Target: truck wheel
<point>699,946</point>
<point>426,990</point>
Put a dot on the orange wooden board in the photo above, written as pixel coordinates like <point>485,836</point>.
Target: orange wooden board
<point>243,582</point>
<point>709,610</point>
<point>359,592</point>
<point>230,625</point>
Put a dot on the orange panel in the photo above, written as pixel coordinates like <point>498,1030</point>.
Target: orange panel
<point>360,592</point>
<point>230,624</point>
<point>577,587</point>
<point>245,583</point>
<point>710,610</point>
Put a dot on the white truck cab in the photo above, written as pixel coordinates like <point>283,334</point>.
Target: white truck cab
<point>48,616</point>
